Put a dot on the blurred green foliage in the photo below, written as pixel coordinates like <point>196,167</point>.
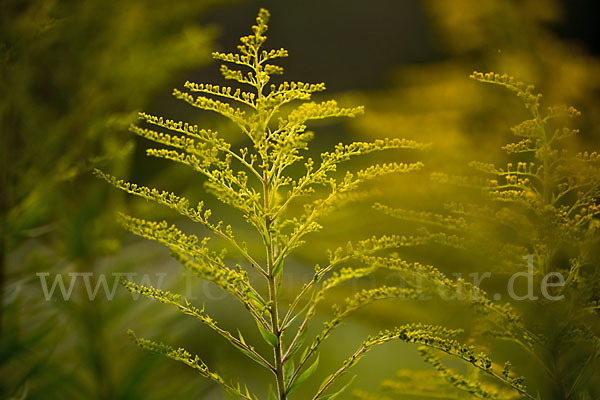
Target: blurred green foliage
<point>534,219</point>
<point>72,74</point>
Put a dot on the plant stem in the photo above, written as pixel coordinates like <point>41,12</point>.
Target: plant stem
<point>276,330</point>
<point>271,276</point>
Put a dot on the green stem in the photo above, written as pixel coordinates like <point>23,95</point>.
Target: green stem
<point>275,326</point>
<point>277,331</point>
<point>271,276</point>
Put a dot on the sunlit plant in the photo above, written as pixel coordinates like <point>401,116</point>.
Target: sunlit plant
<point>551,199</point>
<point>547,199</point>
<point>256,180</point>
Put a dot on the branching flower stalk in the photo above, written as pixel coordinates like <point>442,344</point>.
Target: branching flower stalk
<point>550,200</point>
<point>561,195</point>
<point>255,181</point>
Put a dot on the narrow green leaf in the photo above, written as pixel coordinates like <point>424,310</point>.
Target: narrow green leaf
<point>287,325</point>
<point>241,337</point>
<point>288,372</point>
<point>325,381</point>
<point>269,336</point>
<point>278,268</point>
<point>256,299</point>
<point>336,394</point>
<point>298,343</point>
<point>305,375</point>
<point>250,354</point>
<point>304,352</point>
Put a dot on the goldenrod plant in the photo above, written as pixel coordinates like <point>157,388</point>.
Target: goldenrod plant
<point>559,190</point>
<point>256,181</point>
<point>552,199</point>
<point>546,204</point>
